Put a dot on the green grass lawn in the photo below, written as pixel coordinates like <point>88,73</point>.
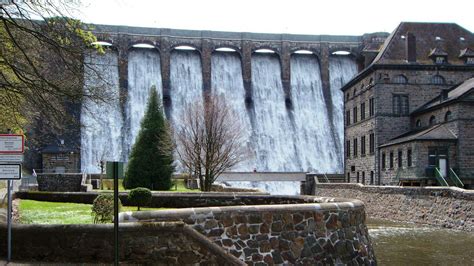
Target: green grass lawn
<point>43,212</point>
<point>178,186</point>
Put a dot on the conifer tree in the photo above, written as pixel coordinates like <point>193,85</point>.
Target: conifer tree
<point>151,160</point>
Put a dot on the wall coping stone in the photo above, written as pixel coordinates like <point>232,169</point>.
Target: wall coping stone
<point>312,203</point>
<point>453,192</point>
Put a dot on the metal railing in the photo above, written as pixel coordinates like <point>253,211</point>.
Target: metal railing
<point>455,178</point>
<point>439,177</point>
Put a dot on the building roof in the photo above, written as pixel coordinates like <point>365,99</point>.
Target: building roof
<point>453,41</point>
<point>447,39</point>
<point>455,93</point>
<point>436,132</point>
<point>56,148</point>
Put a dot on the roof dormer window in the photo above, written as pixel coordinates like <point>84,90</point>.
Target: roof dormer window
<point>438,56</point>
<point>468,56</point>
<point>440,60</point>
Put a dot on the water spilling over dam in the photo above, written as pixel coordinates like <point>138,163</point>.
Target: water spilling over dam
<point>289,104</point>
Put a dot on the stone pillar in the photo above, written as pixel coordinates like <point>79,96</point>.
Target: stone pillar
<point>324,66</point>
<point>247,71</point>
<point>122,50</point>
<point>165,55</point>
<point>206,53</point>
<point>285,61</point>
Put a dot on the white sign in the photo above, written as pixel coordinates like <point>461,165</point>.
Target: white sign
<point>11,158</point>
<point>11,143</point>
<point>10,171</point>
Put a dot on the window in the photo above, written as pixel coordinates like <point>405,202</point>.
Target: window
<point>448,116</point>
<point>432,120</point>
<point>348,117</point>
<point>440,59</point>
<point>437,79</point>
<point>362,111</point>
<point>400,158</point>
<point>418,123</point>
<point>371,177</point>
<point>432,157</point>
<point>358,177</point>
<point>348,177</point>
<point>371,143</point>
<point>363,178</point>
<point>348,148</point>
<point>383,160</point>
<point>362,145</point>
<point>391,160</point>
<point>347,96</point>
<point>400,79</point>
<point>354,115</point>
<point>470,60</point>
<point>355,147</point>
<point>400,105</point>
<point>409,159</point>
<point>354,92</point>
<point>371,107</point>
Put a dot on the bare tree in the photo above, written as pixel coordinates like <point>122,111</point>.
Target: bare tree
<point>42,63</point>
<point>210,140</point>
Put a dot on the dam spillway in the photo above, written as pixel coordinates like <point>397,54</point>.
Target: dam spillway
<point>294,121</point>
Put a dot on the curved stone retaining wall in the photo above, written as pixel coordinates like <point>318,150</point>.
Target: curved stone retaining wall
<point>308,231</point>
<point>439,206</point>
<point>169,243</point>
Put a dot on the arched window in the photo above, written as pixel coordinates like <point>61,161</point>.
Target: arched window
<point>418,123</point>
<point>400,79</point>
<point>448,116</point>
<point>437,79</point>
<point>432,120</point>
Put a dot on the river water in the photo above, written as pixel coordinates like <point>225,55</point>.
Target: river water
<point>409,244</point>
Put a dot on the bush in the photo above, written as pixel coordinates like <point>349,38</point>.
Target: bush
<point>103,208</point>
<point>139,196</point>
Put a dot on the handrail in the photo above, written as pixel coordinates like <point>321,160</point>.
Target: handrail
<point>457,181</point>
<point>439,177</point>
<point>326,178</point>
<point>396,180</point>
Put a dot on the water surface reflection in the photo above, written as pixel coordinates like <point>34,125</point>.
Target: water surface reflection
<point>409,244</point>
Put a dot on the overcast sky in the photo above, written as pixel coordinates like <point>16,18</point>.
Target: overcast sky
<point>343,17</point>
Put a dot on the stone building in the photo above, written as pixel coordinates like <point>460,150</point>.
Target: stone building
<point>60,158</point>
<point>406,113</point>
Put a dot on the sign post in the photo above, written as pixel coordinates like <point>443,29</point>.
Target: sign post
<point>11,157</point>
<point>115,170</point>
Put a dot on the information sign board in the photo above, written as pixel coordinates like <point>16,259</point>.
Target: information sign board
<point>10,171</point>
<point>11,143</point>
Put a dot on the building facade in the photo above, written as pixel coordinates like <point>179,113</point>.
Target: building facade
<point>392,100</point>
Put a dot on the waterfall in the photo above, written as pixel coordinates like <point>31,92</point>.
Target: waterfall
<point>281,139</point>
<point>341,70</point>
<point>273,135</point>
<point>315,146</point>
<point>227,82</point>
<point>186,82</point>
<point>101,135</point>
<point>144,71</point>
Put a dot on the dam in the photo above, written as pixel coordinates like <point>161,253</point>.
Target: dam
<point>284,88</point>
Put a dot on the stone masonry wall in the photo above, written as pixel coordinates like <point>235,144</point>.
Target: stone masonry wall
<point>445,207</point>
<point>326,232</point>
<point>158,243</point>
<point>59,182</point>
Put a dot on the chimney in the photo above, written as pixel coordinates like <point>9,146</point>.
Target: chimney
<point>411,47</point>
